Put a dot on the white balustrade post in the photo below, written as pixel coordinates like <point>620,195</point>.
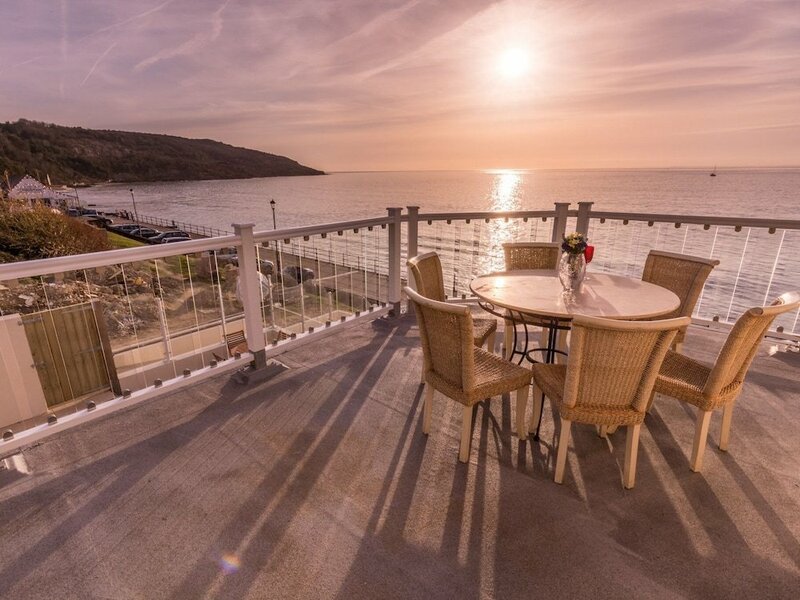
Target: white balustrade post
<point>412,243</point>
<point>560,221</point>
<point>394,260</point>
<point>249,287</point>
<point>584,214</point>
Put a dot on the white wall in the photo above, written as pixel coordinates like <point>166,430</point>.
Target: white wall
<point>22,396</point>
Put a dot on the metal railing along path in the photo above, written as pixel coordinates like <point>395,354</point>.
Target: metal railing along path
<point>203,230</point>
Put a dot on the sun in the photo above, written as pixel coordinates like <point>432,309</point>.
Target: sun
<point>514,63</point>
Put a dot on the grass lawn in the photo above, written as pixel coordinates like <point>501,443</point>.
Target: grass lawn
<point>118,241</point>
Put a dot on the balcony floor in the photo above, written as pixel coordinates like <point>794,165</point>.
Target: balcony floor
<point>320,484</point>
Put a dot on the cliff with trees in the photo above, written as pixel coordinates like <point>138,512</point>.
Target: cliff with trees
<point>72,155</point>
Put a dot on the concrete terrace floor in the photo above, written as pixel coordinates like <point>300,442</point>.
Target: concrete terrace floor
<point>320,484</point>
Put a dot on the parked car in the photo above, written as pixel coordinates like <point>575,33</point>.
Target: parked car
<point>170,240</point>
<point>299,274</point>
<point>161,237</point>
<point>99,221</point>
<point>125,228</point>
<point>267,267</point>
<point>228,256</point>
<point>73,212</point>
<point>145,232</point>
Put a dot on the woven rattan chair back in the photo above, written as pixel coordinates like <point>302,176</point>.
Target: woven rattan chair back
<point>458,369</point>
<point>428,279</point>
<point>531,255</point>
<point>611,372</point>
<point>742,344</point>
<point>447,339</point>
<point>682,274</point>
<point>614,364</point>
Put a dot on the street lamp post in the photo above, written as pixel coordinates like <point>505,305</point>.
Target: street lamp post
<point>135,214</point>
<point>274,227</point>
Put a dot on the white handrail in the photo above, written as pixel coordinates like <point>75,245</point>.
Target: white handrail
<point>295,232</point>
<point>61,264</point>
<point>699,220</point>
<point>76,262</point>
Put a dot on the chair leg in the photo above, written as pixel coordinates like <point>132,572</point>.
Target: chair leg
<point>490,341</point>
<point>602,431</point>
<point>508,340</point>
<point>725,434</point>
<point>522,404</point>
<point>631,453</point>
<point>536,400</point>
<point>466,434</point>
<point>427,409</point>
<point>563,444</point>
<point>700,435</point>
<point>422,376</point>
<point>678,347</point>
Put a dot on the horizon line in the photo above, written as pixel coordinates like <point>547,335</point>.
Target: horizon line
<point>716,169</point>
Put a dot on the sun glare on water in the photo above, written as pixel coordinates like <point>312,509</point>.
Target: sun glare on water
<point>514,63</point>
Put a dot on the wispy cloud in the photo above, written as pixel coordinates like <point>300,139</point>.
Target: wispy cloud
<point>406,83</point>
<point>98,61</point>
<point>191,46</point>
<point>127,20</point>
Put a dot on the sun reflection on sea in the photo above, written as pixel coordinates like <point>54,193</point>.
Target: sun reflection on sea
<point>505,195</point>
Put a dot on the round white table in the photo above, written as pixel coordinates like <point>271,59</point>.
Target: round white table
<point>539,294</point>
<point>536,297</point>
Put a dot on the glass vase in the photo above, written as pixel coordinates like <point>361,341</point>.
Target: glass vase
<point>571,271</point>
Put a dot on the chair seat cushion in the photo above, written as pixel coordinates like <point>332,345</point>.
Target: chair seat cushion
<point>493,376</point>
<point>550,380</point>
<point>685,378</point>
<point>481,329</point>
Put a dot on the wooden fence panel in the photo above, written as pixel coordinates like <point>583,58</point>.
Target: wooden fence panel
<point>68,352</point>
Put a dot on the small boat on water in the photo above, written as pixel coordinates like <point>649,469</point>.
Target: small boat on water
<point>713,171</point>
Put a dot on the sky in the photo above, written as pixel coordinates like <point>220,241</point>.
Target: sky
<point>421,84</point>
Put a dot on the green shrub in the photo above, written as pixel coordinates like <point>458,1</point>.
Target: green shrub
<point>41,233</point>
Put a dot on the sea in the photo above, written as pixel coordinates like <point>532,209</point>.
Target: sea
<point>299,201</point>
<point>755,265</point>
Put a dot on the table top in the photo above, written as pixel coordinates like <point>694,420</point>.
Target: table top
<point>602,295</point>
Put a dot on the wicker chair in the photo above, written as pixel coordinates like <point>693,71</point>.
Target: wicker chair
<point>682,274</point>
<point>531,255</point>
<point>429,281</point>
<point>709,388</point>
<point>607,382</point>
<point>527,256</point>
<point>455,367</point>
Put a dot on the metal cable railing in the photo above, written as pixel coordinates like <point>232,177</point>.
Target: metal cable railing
<point>166,311</point>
